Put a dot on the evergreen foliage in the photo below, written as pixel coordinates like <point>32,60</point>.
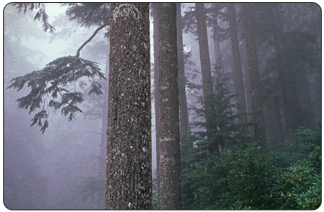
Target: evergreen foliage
<point>199,165</point>
<point>61,75</point>
<point>89,14</point>
<point>55,86</point>
<point>40,14</point>
<point>231,170</point>
<point>246,176</point>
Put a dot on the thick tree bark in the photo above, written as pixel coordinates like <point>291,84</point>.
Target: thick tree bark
<point>129,172</point>
<point>205,65</point>
<point>255,82</point>
<point>169,137</point>
<point>237,68</point>
<point>184,119</point>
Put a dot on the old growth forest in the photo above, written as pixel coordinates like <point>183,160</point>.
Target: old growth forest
<point>162,106</point>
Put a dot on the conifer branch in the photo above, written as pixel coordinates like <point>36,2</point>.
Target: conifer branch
<point>40,15</point>
<point>87,41</point>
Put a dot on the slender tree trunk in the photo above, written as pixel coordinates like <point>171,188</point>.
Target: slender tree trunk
<point>205,65</point>
<point>156,90</point>
<point>169,137</point>
<point>248,100</point>
<point>255,82</point>
<point>238,77</point>
<point>217,51</point>
<point>129,160</point>
<point>184,120</point>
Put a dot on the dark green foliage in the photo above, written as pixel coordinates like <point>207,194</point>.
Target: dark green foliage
<point>55,86</point>
<point>204,181</point>
<point>231,170</point>
<point>287,176</point>
<point>89,14</point>
<point>225,127</point>
<point>297,187</point>
<point>297,184</point>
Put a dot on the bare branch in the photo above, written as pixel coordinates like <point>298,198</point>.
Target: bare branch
<point>87,41</point>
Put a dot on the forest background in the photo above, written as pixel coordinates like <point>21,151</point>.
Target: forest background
<point>223,166</point>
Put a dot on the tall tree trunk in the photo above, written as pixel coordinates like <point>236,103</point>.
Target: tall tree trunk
<point>248,100</point>
<point>186,144</point>
<point>205,66</point>
<point>129,162</point>
<point>217,51</point>
<point>292,105</point>
<point>169,137</point>
<point>184,119</point>
<point>281,76</point>
<point>255,81</point>
<point>238,77</point>
<point>156,90</point>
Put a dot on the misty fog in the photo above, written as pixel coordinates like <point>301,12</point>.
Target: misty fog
<point>65,167</point>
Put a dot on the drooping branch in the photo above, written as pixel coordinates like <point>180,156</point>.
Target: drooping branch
<point>40,15</point>
<point>87,41</point>
<point>55,79</point>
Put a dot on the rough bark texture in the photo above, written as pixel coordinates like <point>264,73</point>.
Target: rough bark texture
<point>238,77</point>
<point>255,83</point>
<point>169,141</point>
<point>205,64</point>
<point>129,171</point>
<point>184,119</point>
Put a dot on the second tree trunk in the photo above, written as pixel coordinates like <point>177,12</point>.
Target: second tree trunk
<point>169,136</point>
